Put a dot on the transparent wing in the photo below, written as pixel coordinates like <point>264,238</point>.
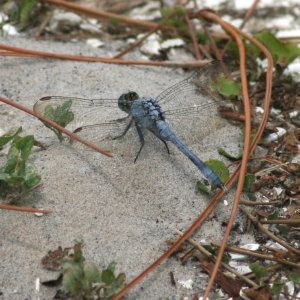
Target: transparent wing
<point>99,121</point>
<point>195,96</point>
<point>191,106</point>
<point>109,137</point>
<point>197,88</point>
<point>196,111</point>
<point>85,111</point>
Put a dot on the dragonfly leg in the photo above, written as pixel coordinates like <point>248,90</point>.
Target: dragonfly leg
<point>125,131</point>
<point>142,140</point>
<point>168,150</point>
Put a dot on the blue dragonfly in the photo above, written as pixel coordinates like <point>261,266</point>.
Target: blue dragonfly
<point>186,101</point>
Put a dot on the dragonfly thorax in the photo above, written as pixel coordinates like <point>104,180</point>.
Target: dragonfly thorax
<point>147,107</point>
<point>143,106</point>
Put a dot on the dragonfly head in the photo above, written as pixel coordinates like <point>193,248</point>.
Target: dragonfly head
<point>125,101</point>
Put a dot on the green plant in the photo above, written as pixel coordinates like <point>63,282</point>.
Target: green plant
<point>83,280</point>
<point>259,270</point>
<point>174,17</point>
<point>21,12</point>
<point>62,115</point>
<point>17,176</point>
<point>283,53</point>
<point>227,87</point>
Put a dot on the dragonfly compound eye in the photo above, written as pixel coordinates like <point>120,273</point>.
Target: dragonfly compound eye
<point>133,96</point>
<point>125,100</point>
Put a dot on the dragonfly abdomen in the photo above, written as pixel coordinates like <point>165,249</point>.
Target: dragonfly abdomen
<point>167,134</point>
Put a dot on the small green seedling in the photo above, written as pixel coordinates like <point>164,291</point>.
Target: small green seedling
<point>17,176</point>
<point>213,250</point>
<point>259,270</point>
<point>295,278</point>
<point>83,280</point>
<point>227,87</point>
<point>62,115</point>
<point>174,17</point>
<point>21,13</point>
<point>277,287</point>
<point>223,152</point>
<point>283,52</point>
<point>249,180</point>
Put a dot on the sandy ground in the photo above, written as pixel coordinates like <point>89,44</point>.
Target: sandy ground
<point>123,211</point>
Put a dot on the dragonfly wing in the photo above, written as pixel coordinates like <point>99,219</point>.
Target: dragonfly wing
<point>91,119</point>
<point>191,106</point>
<point>110,137</point>
<point>77,111</point>
<point>194,90</point>
<point>194,123</point>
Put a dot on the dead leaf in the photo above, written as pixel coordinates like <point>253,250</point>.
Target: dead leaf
<point>293,167</point>
<point>261,293</point>
<point>53,260</point>
<point>231,286</point>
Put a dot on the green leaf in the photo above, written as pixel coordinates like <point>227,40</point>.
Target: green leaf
<point>121,278</point>
<point>259,270</point>
<point>16,180</point>
<point>61,115</point>
<point>78,277</point>
<point>209,248</point>
<point>274,215</point>
<point>12,159</point>
<point>91,273</point>
<point>4,176</point>
<point>253,50</point>
<point>229,156</point>
<point>19,154</point>
<point>115,288</point>
<point>177,10</point>
<point>31,177</point>
<point>115,20</point>
<point>107,277</point>
<point>112,266</point>
<point>283,229</point>
<point>4,139</point>
<point>202,187</point>
<point>219,168</point>
<point>294,277</point>
<point>213,250</point>
<point>233,48</point>
<point>3,188</point>
<point>25,145</point>
<point>73,277</point>
<point>78,255</point>
<point>272,43</point>
<point>85,279</point>
<point>174,17</point>
<point>283,53</point>
<point>293,51</point>
<point>249,179</point>
<point>226,87</point>
<point>18,177</point>
<point>277,287</point>
<point>25,11</point>
<point>201,37</point>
